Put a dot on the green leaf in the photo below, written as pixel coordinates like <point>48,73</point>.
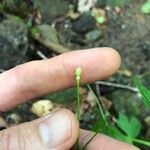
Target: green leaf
<point>145,8</point>
<point>145,93</point>
<point>99,125</point>
<point>114,132</point>
<point>130,126</point>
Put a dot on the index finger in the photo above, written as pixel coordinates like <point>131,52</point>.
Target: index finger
<point>37,78</point>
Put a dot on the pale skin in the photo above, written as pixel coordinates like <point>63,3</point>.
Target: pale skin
<point>60,130</point>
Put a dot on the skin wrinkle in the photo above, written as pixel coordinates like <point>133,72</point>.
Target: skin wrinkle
<point>65,69</point>
<point>57,79</point>
<point>27,141</point>
<point>22,140</point>
<point>20,143</point>
<point>1,140</point>
<point>9,139</point>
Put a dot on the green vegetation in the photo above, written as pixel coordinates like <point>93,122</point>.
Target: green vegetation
<point>120,3</point>
<point>145,9</point>
<point>144,92</point>
<point>78,77</point>
<point>124,128</point>
<point>100,19</point>
<point>34,31</point>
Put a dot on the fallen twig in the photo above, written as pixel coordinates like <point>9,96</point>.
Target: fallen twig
<point>133,89</point>
<point>41,55</point>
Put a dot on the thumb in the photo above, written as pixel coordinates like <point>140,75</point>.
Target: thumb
<point>58,131</point>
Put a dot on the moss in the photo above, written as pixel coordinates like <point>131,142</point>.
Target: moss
<point>34,31</point>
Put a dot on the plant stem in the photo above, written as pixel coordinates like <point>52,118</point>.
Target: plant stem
<point>99,106</point>
<point>121,86</point>
<point>78,77</point>
<point>78,101</point>
<point>138,141</point>
<point>146,143</point>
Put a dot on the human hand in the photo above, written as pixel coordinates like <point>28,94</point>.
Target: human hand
<point>60,130</point>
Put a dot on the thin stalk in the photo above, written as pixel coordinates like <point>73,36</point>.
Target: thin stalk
<point>142,142</point>
<point>138,141</point>
<point>99,106</point>
<point>78,77</point>
<point>78,101</point>
<point>121,86</point>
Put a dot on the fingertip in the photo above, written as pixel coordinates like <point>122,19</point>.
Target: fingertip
<point>114,59</point>
<point>104,62</point>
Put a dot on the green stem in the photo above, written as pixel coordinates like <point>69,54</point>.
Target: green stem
<point>146,143</point>
<point>138,141</point>
<point>78,110</point>
<point>78,101</point>
<point>78,76</point>
<point>99,106</point>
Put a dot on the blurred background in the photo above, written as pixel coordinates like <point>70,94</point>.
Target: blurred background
<point>41,29</point>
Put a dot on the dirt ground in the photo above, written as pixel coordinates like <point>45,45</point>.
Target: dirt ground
<point>125,29</point>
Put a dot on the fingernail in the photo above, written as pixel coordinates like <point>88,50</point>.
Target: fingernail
<point>55,129</point>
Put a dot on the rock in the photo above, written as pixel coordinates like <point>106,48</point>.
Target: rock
<point>13,42</point>
<point>42,107</point>
<point>13,118</point>
<point>51,9</point>
<point>85,5</point>
<point>84,23</point>
<point>93,35</point>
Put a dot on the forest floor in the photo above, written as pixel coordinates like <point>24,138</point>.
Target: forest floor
<point>68,27</point>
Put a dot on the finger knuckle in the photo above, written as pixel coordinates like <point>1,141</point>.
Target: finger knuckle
<point>15,76</point>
